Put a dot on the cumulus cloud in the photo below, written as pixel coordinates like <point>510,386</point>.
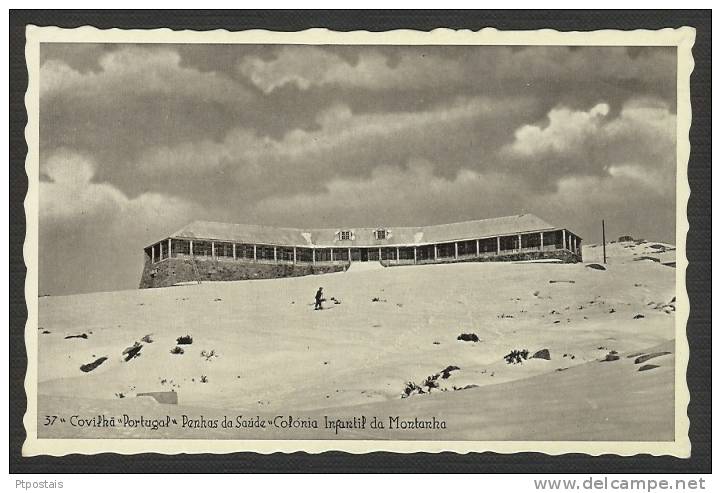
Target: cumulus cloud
<point>416,195</point>
<point>639,140</point>
<point>137,70</point>
<point>439,67</point>
<point>342,144</point>
<point>87,228</point>
<point>312,66</point>
<point>391,194</point>
<point>566,129</point>
<point>70,194</point>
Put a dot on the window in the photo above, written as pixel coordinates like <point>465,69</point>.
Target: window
<point>244,251</point>
<point>340,254</point>
<point>509,243</point>
<point>405,254</point>
<point>202,249</point>
<point>466,248</point>
<point>380,234</point>
<point>553,238</point>
<point>265,252</point>
<point>487,245</point>
<point>446,250</point>
<point>156,251</point>
<point>322,255</point>
<point>531,240</point>
<point>304,255</point>
<point>345,235</point>
<point>285,254</point>
<point>180,247</point>
<point>426,252</point>
<point>389,254</point>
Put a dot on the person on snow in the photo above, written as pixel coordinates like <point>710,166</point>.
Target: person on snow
<point>319,299</point>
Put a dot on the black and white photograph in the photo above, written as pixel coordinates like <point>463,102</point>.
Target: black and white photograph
<point>315,241</point>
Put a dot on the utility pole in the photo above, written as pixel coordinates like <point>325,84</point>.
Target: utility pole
<point>603,230</point>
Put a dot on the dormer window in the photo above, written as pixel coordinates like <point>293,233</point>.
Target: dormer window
<point>381,234</point>
<point>345,235</point>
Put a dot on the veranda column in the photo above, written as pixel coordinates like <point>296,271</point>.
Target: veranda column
<point>212,249</point>
<point>255,253</point>
<point>152,254</point>
<point>331,255</point>
<point>541,240</point>
<point>398,255</point>
<point>161,250</point>
<point>348,254</point>
<point>415,255</point>
<point>294,255</point>
<point>191,248</point>
<point>313,256</point>
<point>435,252</point>
<point>564,238</point>
<point>478,248</point>
<point>520,244</point>
<point>170,250</point>
<point>275,254</point>
<point>234,255</point>
<point>380,256</point>
<point>498,245</point>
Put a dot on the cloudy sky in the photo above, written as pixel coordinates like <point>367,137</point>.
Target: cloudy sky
<point>138,140</point>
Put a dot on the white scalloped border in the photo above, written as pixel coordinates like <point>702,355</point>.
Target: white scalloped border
<point>683,38</point>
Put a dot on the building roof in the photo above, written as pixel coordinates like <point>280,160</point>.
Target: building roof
<point>405,235</point>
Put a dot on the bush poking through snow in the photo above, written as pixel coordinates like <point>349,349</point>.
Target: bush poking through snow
<point>611,356</point>
<point>203,378</point>
<point>147,338</point>
<point>410,389</point>
<point>91,366</point>
<point>516,356</point>
<point>208,355</point>
<point>466,387</point>
<point>132,351</point>
<point>446,372</point>
<point>185,340</point>
<point>431,382</point>
<point>468,337</point>
<point>177,350</point>
<point>646,357</point>
<point>542,354</point>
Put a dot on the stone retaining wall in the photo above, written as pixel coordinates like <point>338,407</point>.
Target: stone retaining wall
<point>176,270</point>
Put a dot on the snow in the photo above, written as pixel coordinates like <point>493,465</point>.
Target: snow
<point>275,354</point>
